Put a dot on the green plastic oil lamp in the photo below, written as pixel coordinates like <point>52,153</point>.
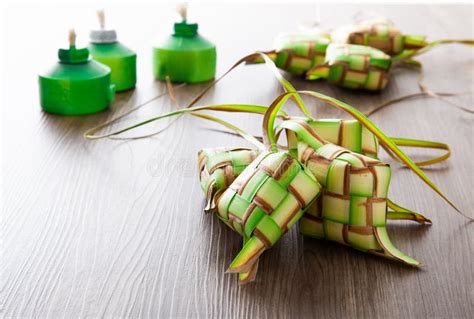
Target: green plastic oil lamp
<point>76,85</point>
<point>185,56</point>
<point>122,61</point>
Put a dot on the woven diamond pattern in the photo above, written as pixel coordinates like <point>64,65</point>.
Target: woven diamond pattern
<point>354,66</point>
<point>381,34</point>
<point>354,199</point>
<point>268,197</point>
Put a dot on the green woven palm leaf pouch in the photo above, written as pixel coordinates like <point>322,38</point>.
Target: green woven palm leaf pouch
<point>354,67</point>
<point>264,202</point>
<point>353,205</point>
<point>297,53</point>
<point>380,34</point>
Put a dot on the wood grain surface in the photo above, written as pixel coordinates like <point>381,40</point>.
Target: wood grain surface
<point>116,229</point>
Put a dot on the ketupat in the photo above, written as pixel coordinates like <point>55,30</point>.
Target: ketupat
<point>297,53</point>
<point>379,33</point>
<point>263,203</point>
<point>354,67</point>
<point>218,169</point>
<point>352,209</point>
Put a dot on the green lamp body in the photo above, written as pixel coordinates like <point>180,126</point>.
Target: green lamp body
<point>185,56</point>
<point>76,85</point>
<point>122,61</point>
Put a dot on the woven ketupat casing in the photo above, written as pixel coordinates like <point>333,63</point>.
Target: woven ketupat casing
<point>352,209</point>
<point>264,201</point>
<point>297,53</point>
<point>349,134</point>
<point>381,34</point>
<point>354,66</point>
<point>219,167</point>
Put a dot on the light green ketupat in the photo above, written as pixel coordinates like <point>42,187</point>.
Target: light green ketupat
<point>263,203</point>
<point>297,53</point>
<point>354,67</point>
<point>353,207</point>
<point>379,33</point>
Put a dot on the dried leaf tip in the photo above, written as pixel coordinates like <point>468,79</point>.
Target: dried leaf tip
<point>182,9</point>
<point>72,38</point>
<point>101,17</point>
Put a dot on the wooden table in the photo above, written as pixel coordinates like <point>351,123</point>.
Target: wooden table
<point>116,229</point>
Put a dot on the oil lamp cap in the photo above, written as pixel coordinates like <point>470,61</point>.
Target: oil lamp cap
<point>103,36</point>
<point>185,29</point>
<point>73,55</point>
